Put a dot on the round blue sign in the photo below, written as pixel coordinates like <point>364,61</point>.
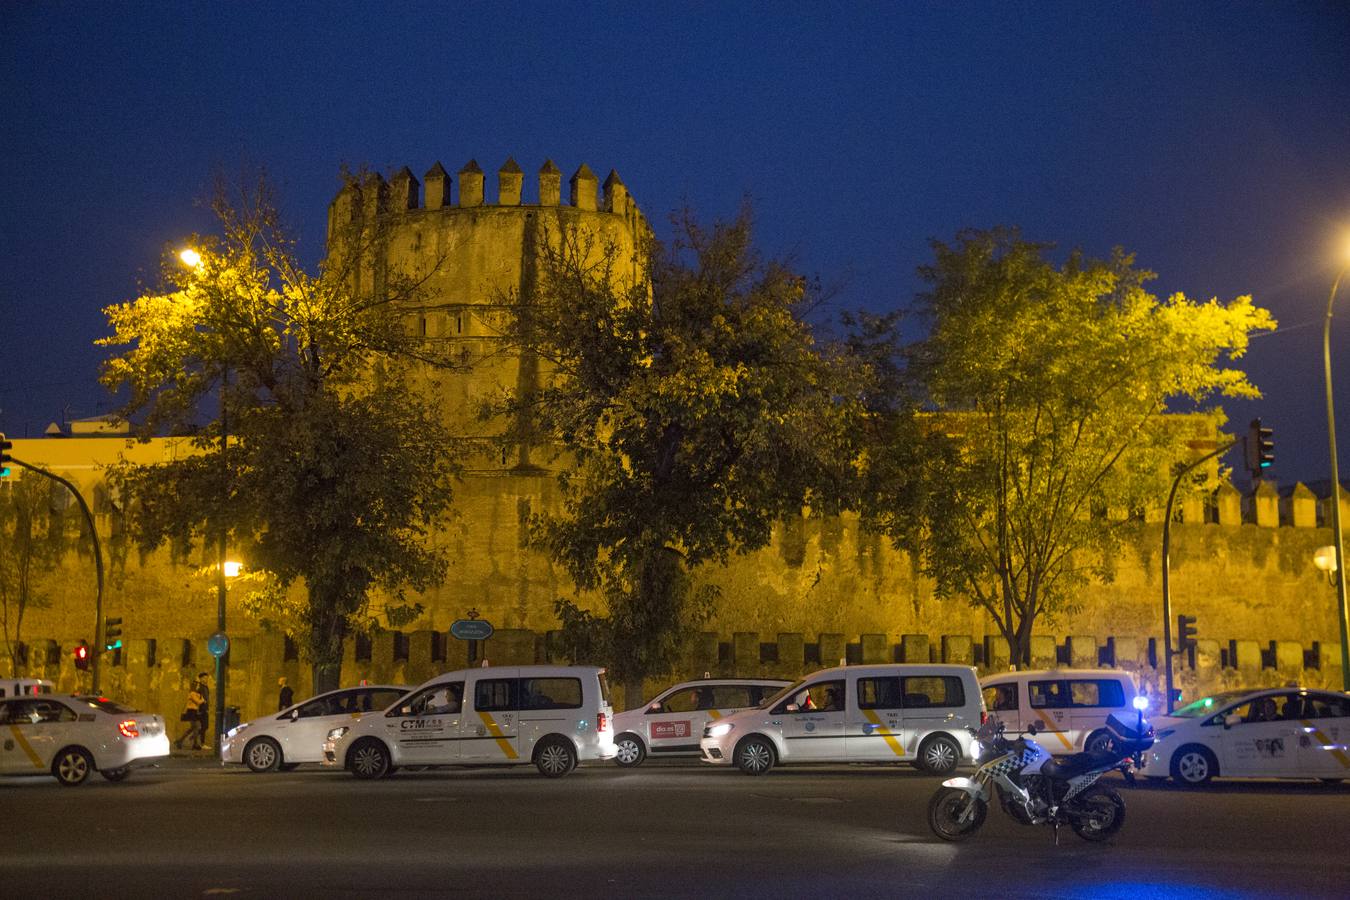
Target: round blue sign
<point>218,644</point>
<point>471,629</point>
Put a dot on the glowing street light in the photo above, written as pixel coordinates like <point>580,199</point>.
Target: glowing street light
<point>1337,545</point>
<point>232,568</point>
<point>190,258</point>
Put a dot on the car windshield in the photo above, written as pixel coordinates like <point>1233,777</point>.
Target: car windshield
<point>796,685</point>
<point>1207,705</point>
<point>108,706</point>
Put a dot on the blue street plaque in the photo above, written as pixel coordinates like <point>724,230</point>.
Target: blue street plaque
<point>471,629</point>
<point>218,644</point>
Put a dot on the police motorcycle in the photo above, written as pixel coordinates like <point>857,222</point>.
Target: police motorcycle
<point>1034,788</point>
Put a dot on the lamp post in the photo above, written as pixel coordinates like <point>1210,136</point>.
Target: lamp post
<point>1336,540</point>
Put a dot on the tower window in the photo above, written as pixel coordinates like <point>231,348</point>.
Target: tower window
<point>422,325</point>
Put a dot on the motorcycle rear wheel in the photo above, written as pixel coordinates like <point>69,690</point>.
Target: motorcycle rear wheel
<point>1098,813</point>
<point>955,815</point>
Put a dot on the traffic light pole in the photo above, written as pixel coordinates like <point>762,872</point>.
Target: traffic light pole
<point>1166,564</point>
<point>98,560</point>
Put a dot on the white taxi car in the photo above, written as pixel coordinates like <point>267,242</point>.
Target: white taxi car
<point>671,723</point>
<point>916,714</point>
<point>69,737</point>
<point>551,716</point>
<point>295,735</point>
<point>1270,733</point>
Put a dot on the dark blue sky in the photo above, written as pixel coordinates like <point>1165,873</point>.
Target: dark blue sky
<point>1213,139</point>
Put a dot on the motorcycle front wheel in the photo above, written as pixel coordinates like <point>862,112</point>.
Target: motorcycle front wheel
<point>955,815</point>
<point>1097,813</point>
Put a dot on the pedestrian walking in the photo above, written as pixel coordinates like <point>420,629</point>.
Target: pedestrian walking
<point>287,696</point>
<point>203,712</point>
<point>192,713</point>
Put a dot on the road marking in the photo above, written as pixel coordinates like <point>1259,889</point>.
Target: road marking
<point>496,732</point>
<point>896,747</point>
<point>27,747</point>
<point>1327,744</point>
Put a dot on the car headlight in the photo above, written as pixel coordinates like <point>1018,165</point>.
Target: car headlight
<point>236,729</point>
<point>720,729</point>
<point>1165,733</point>
<point>338,732</point>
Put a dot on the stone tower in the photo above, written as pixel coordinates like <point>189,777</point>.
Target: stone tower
<point>475,257</point>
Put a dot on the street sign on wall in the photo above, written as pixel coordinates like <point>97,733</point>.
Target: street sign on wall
<point>471,629</point>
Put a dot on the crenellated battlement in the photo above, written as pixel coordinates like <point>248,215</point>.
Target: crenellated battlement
<point>371,195</point>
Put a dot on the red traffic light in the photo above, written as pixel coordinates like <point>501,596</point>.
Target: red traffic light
<point>81,654</point>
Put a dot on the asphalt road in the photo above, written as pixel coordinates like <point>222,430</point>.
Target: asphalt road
<point>192,829</point>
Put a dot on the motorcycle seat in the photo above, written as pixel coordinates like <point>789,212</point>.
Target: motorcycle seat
<point>1065,767</point>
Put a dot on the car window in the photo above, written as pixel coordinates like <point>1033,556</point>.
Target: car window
<point>879,693</point>
<point>1326,706</point>
<point>1047,694</point>
<point>319,706</point>
<point>1001,697</point>
<point>820,696</point>
<point>1096,692</point>
<point>928,691</point>
<point>731,696</point>
<point>550,693</point>
<point>437,700</point>
<point>1270,708</point>
<point>380,698</point>
<point>1198,709</point>
<point>39,711</point>
<point>495,694</point>
<point>682,701</point>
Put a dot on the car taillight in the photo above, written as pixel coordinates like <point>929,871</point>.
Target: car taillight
<point>984,717</point>
<point>601,722</point>
<point>128,728</point>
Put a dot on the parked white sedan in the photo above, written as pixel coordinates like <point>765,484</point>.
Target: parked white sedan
<point>1266,733</point>
<point>295,735</point>
<point>672,722</point>
<point>69,737</point>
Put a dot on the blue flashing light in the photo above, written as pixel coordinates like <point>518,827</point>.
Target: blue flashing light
<point>1140,702</point>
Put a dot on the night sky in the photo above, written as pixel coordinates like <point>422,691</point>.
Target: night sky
<point>1213,139</point>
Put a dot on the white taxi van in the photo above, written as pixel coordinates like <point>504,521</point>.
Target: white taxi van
<point>551,716</point>
<point>24,687</point>
<point>916,714</point>
<point>69,737</point>
<point>1069,706</point>
<point>1264,733</point>
<point>296,734</point>
<point>671,723</point>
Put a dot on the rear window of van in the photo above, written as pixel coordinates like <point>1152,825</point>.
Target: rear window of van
<point>913,692</point>
<point>550,693</point>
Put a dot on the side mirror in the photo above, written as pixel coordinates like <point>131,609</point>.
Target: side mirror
<point>1034,728</point>
<point>1230,720</point>
<point>295,714</point>
<point>654,708</point>
<point>405,710</point>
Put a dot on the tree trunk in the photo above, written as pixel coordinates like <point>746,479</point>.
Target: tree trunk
<point>325,643</point>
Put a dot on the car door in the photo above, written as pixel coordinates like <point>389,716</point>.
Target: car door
<point>931,703</point>
<point>814,721</point>
<point>1048,706</point>
<point>1257,741</point>
<point>875,729</point>
<point>492,723</point>
<point>36,727</point>
<point>674,722</point>
<point>427,727</point>
<point>1324,738</point>
<point>1091,700</point>
<point>18,731</point>
<point>303,736</point>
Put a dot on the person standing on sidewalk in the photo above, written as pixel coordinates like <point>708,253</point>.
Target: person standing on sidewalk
<point>204,711</point>
<point>193,712</point>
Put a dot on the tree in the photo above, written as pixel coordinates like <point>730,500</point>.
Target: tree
<point>692,411</point>
<point>335,469</point>
<point>31,544</point>
<point>1047,391</point>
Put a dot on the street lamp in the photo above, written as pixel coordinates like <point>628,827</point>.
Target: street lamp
<point>190,258</point>
<point>1337,542</point>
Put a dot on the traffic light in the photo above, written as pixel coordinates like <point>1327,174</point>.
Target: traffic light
<point>1260,448</point>
<point>1185,633</point>
<point>81,654</point>
<point>5,446</point>
<point>112,633</point>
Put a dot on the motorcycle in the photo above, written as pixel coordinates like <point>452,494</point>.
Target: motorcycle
<point>1035,788</point>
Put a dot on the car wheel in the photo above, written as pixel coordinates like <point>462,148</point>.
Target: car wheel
<point>72,766</point>
<point>939,755</point>
<point>262,755</point>
<point>116,775</point>
<point>1099,740</point>
<point>555,758</point>
<point>630,753</point>
<point>755,756</point>
<point>368,760</point>
<point>1194,765</point>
